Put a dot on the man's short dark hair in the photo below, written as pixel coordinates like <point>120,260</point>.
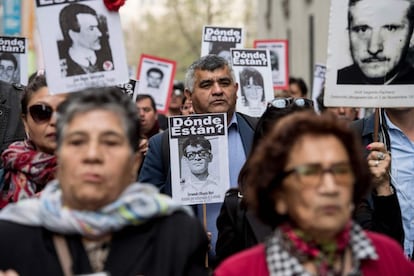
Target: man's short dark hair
<point>155,70</point>
<point>301,83</point>
<point>9,56</point>
<point>141,97</point>
<point>196,141</point>
<point>68,18</point>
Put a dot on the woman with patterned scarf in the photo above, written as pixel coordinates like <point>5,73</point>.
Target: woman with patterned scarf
<point>31,163</point>
<point>304,179</point>
<point>93,218</point>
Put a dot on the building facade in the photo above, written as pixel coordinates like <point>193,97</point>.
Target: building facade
<point>304,23</point>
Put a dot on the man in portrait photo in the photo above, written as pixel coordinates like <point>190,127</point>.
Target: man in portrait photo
<point>379,36</point>
<point>84,48</point>
<point>198,156</point>
<point>154,77</point>
<point>8,67</point>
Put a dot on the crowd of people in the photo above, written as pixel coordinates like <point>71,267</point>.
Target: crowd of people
<point>86,177</point>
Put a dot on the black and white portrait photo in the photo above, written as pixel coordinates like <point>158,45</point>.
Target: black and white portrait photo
<point>84,48</point>
<point>278,50</point>
<point>79,40</point>
<point>197,157</point>
<point>379,35</point>
<point>368,45</point>
<point>13,59</point>
<point>9,68</point>
<point>222,49</point>
<point>154,77</point>
<point>252,88</point>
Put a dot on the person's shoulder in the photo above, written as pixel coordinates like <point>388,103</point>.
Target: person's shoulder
<point>251,261</point>
<point>381,240</point>
<point>391,259</point>
<point>157,138</point>
<point>251,121</point>
<point>10,230</point>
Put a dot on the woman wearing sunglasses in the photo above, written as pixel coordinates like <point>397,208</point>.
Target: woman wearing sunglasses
<point>31,163</point>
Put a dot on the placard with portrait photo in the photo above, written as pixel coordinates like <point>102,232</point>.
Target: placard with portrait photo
<point>279,63</point>
<point>368,63</point>
<point>318,84</point>
<point>82,45</point>
<point>219,40</point>
<point>156,78</point>
<point>13,59</point>
<point>199,158</point>
<point>253,73</point>
<point>130,88</point>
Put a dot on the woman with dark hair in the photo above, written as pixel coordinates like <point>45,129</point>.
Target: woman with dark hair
<point>304,180</point>
<point>31,163</point>
<point>252,87</point>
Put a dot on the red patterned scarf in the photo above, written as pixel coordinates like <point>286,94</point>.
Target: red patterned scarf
<point>322,254</point>
<point>27,171</point>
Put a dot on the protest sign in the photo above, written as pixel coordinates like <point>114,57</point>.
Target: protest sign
<point>76,58</point>
<point>130,88</point>
<point>13,59</point>
<point>156,78</point>
<point>319,71</point>
<point>199,158</point>
<point>253,73</point>
<point>278,50</point>
<point>367,63</point>
<point>219,40</point>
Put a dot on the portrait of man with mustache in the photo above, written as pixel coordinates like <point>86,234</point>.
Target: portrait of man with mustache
<point>379,34</point>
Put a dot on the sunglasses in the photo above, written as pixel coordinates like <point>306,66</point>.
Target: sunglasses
<point>41,113</point>
<point>286,102</point>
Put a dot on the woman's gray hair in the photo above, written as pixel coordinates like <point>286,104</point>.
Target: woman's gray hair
<point>206,63</point>
<point>103,98</point>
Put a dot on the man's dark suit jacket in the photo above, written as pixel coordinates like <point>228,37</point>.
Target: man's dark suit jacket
<point>353,75</point>
<point>158,247</point>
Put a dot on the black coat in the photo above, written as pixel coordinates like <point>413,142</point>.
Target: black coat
<point>172,245</point>
<point>238,227</point>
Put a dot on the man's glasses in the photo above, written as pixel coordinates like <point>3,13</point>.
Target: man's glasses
<point>311,174</point>
<point>286,102</point>
<point>202,154</point>
<point>41,113</point>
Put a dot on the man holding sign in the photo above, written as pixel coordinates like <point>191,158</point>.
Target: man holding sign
<point>210,84</point>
